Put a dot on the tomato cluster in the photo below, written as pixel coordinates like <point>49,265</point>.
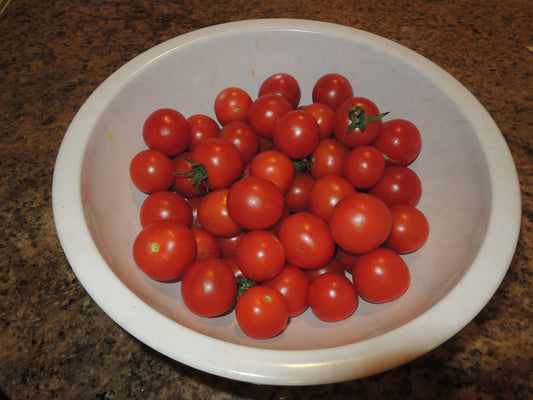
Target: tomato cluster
<point>274,207</point>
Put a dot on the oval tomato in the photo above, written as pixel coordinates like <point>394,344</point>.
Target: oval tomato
<point>293,284</point>
<point>399,185</point>
<point>360,222</point>
<point>296,134</point>
<point>208,287</point>
<point>332,297</point>
<point>381,276</point>
<point>167,131</point>
<point>152,171</point>
<point>332,89</point>
<point>283,85</point>
<point>232,104</point>
<point>400,140</point>
<point>164,250</point>
<point>260,256</point>
<point>364,166</point>
<point>410,229</point>
<point>165,206</point>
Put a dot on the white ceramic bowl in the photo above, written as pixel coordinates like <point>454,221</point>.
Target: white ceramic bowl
<point>470,196</point>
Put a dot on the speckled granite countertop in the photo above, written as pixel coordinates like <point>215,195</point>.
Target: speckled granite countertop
<point>54,340</point>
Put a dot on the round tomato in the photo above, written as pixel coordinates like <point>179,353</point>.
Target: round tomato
<point>307,240</point>
<point>399,185</point>
<point>229,245</point>
<point>209,287</point>
<point>194,202</point>
<point>260,256</point>
<point>296,134</point>
<point>328,158</point>
<point>360,222</point>
<point>217,162</point>
<point>293,284</point>
<point>232,104</point>
<point>357,122</point>
<point>167,131</point>
<point>334,266</point>
<point>332,89</point>
<point>326,192</point>
<point>206,243</point>
<point>183,177</point>
<point>346,259</point>
<point>410,229</point>
<point>324,116</point>
<point>274,166</point>
<point>381,276</point>
<point>364,166</point>
<point>214,216</point>
<point>241,134</point>
<point>164,250</point>
<point>165,206</point>
<point>262,312</point>
<point>332,297</point>
<point>202,127</point>
<point>265,111</point>
<point>283,85</point>
<point>400,140</point>
<point>255,203</point>
<point>152,171</point>
<point>297,197</point>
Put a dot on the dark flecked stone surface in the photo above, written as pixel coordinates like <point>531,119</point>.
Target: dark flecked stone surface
<point>55,343</point>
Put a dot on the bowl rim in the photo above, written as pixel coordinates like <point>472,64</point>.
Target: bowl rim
<point>288,367</point>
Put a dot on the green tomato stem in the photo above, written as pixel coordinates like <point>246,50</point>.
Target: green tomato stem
<point>359,119</point>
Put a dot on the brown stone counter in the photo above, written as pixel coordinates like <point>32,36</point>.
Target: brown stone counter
<point>56,343</point>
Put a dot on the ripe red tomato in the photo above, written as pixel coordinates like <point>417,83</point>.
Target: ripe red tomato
<point>265,111</point>
<point>262,312</point>
<point>364,166</point>
<point>194,203</point>
<point>332,297</point>
<point>260,256</point>
<point>241,134</point>
<point>328,158</point>
<point>274,166</point>
<point>214,216</point>
<point>400,140</point>
<point>151,171</point>
<point>334,266</point>
<point>357,122</point>
<point>218,163</point>
<point>399,185</point>
<point>208,287</point>
<point>206,243</point>
<point>297,197</point>
<point>324,116</point>
<point>360,222</point>
<point>283,85</point>
<point>165,206</point>
<point>381,276</point>
<point>346,258</point>
<point>296,134</point>
<point>326,192</point>
<point>182,181</point>
<point>229,245</point>
<point>293,284</point>
<point>232,104</point>
<point>332,89</point>
<point>307,240</point>
<point>410,229</point>
<point>202,127</point>
<point>167,131</point>
<point>255,203</point>
<point>164,250</point>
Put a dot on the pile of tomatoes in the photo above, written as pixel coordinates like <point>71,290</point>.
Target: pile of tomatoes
<point>272,207</point>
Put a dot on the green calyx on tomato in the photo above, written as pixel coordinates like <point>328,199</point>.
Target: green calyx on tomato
<point>301,165</point>
<point>198,174</point>
<point>359,119</point>
<point>154,247</point>
<point>243,284</point>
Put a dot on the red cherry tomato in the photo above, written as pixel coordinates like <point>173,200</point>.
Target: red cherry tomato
<point>328,158</point>
<point>307,240</point>
<point>381,276</point>
<point>167,131</point>
<point>229,245</point>
<point>255,203</point>
<point>165,206</point>
<point>326,192</point>
<point>399,185</point>
<point>274,166</point>
<point>283,85</point>
<point>364,166</point>
<point>214,216</point>
<point>357,122</point>
<point>202,127</point>
<point>151,171</point>
<point>206,243</point>
<point>232,104</point>
<point>208,287</point>
<point>293,284</point>
<point>346,259</point>
<point>332,89</point>
<point>164,250</point>
<point>332,297</point>
<point>334,266</point>
<point>324,116</point>
<point>400,140</point>
<point>260,256</point>
<point>297,197</point>
<point>410,229</point>
<point>241,134</point>
<point>264,113</point>
<point>262,312</point>
<point>360,222</point>
<point>182,182</point>
<point>296,134</point>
